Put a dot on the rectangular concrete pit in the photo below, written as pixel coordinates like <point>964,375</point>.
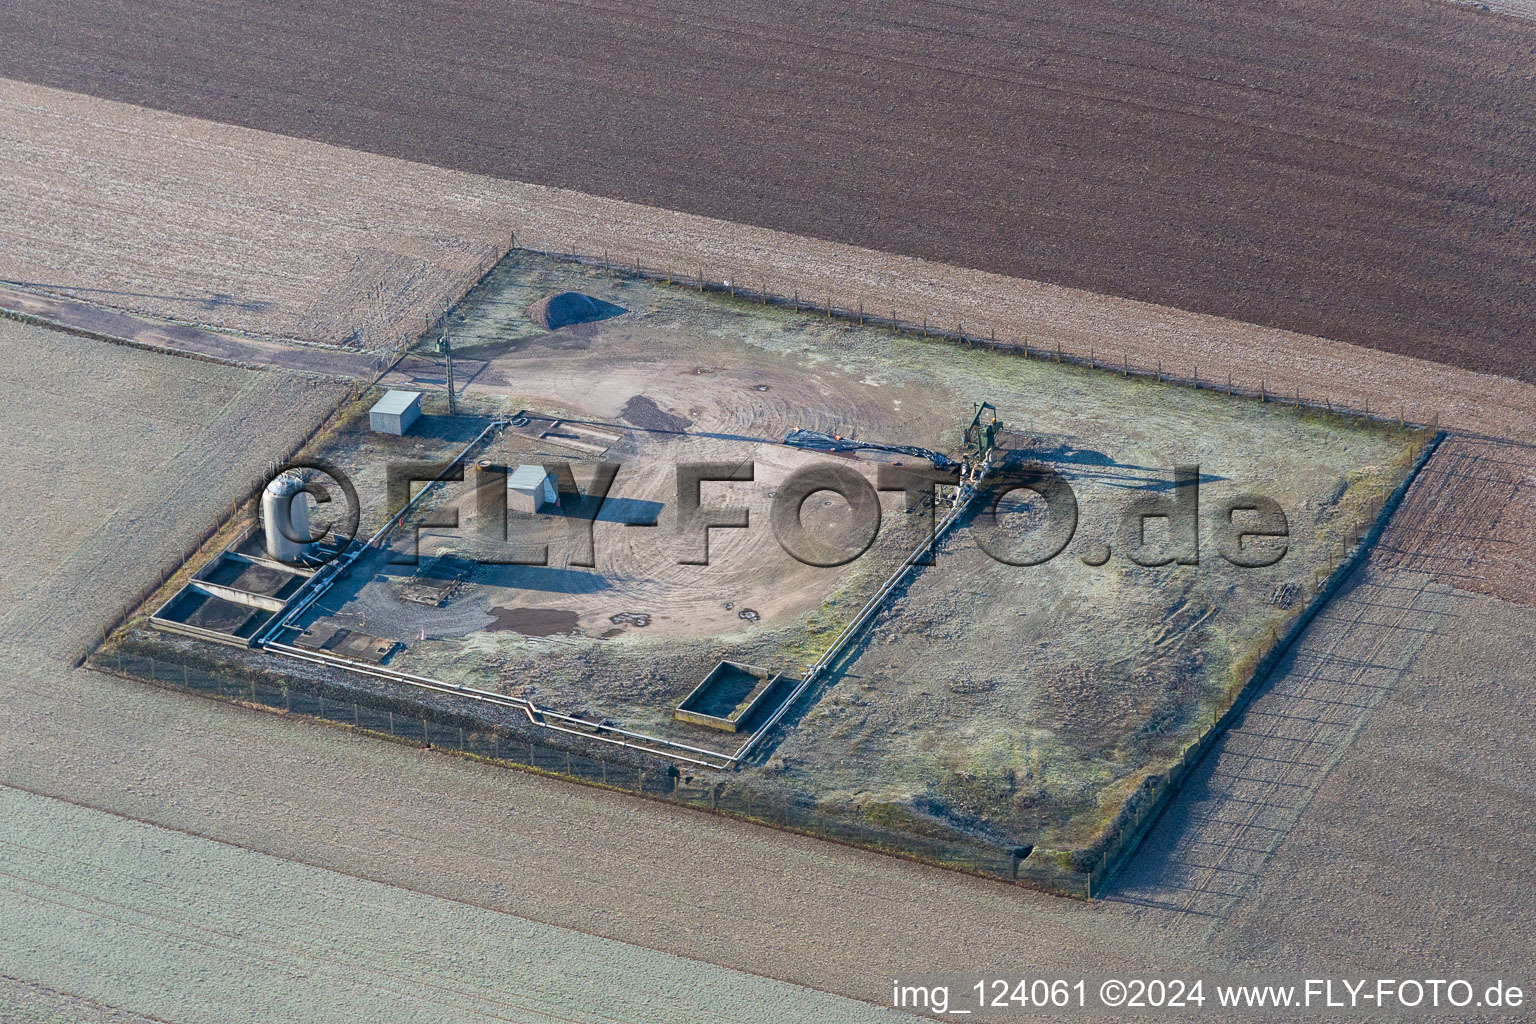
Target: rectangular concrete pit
<point>729,695</point>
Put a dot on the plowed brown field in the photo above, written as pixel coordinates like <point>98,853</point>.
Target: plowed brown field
<point>1359,172</point>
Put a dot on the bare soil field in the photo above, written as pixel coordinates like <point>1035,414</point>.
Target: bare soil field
<point>182,929</point>
<point>1010,704</point>
<point>313,211</point>
<point>1470,520</point>
<point>1357,172</point>
<point>157,448</point>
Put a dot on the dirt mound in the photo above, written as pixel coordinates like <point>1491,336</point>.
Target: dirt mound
<point>564,309</point>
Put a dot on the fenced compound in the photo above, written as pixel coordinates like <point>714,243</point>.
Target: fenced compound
<point>733,796</point>
<point>1083,875</point>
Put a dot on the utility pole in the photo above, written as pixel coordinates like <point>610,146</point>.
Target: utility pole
<point>446,348</point>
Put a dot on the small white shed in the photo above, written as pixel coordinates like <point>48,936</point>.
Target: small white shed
<point>530,489</point>
<point>395,412</point>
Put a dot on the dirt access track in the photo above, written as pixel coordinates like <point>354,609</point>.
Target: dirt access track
<point>1359,173</point>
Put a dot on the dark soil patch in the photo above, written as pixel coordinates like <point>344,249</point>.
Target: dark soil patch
<point>570,340</point>
<point>644,413</point>
<point>534,621</point>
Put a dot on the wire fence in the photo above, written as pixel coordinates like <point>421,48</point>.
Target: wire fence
<point>1121,839</point>
<point>717,792</point>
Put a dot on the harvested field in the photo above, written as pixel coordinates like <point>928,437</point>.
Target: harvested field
<point>186,930</point>
<point>153,439</point>
<point>175,222</point>
<point>1358,172</point>
<point>101,323</point>
<point>1470,519</point>
<point>88,225</point>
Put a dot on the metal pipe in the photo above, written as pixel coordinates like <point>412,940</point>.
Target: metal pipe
<point>967,493</point>
<point>320,582</point>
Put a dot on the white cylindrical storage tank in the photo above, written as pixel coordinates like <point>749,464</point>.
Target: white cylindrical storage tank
<point>285,517</point>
